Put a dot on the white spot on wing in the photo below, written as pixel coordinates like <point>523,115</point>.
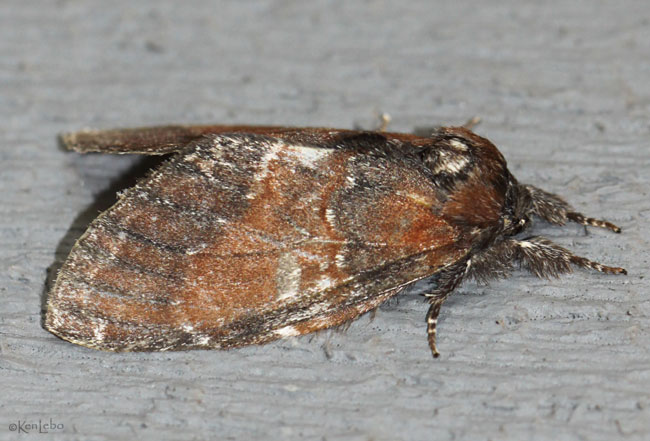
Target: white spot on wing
<point>280,151</point>
<point>457,145</point>
<point>288,276</point>
<point>330,216</point>
<point>98,331</point>
<point>287,331</point>
<point>309,156</point>
<point>270,155</point>
<point>202,340</point>
<point>325,283</point>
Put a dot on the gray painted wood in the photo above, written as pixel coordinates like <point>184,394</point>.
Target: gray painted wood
<point>563,90</point>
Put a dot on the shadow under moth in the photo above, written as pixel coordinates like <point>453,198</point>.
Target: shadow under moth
<point>247,234</point>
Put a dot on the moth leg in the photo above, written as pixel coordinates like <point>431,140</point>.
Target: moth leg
<point>556,210</point>
<point>590,221</point>
<point>384,121</point>
<point>494,262</point>
<point>447,280</point>
<point>472,122</point>
<point>432,321</point>
<point>546,259</point>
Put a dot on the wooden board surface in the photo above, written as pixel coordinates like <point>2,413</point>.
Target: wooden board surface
<point>562,89</point>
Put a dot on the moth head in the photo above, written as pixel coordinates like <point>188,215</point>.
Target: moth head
<point>515,225</point>
<point>518,208</point>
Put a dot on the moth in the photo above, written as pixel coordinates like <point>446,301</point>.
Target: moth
<point>247,234</point>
